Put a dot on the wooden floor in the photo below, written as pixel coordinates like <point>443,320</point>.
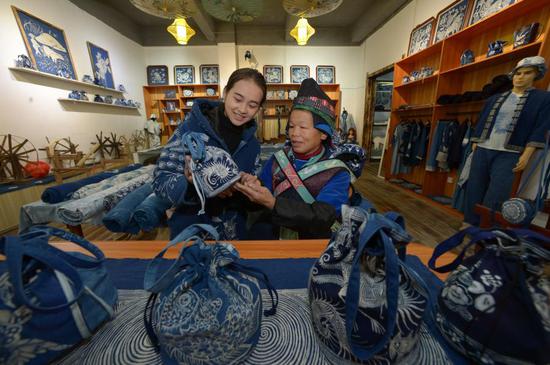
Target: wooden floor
<point>426,222</point>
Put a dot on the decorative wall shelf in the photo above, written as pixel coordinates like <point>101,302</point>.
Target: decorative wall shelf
<point>68,100</point>
<point>70,84</point>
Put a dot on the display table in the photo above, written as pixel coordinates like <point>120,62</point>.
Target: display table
<point>286,338</point>
<point>281,249</point>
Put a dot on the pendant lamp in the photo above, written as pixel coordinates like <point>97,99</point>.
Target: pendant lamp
<point>302,32</point>
<point>181,31</point>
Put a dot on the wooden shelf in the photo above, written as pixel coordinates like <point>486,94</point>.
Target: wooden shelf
<point>462,105</point>
<point>506,15</point>
<point>520,52</point>
<point>82,85</point>
<point>200,97</point>
<point>415,108</point>
<point>169,99</point>
<point>425,53</point>
<point>172,112</point>
<point>418,82</point>
<point>68,100</point>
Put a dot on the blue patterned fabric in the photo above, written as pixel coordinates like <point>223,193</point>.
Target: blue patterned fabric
<point>59,193</point>
<point>50,300</point>
<point>206,308</point>
<point>366,303</point>
<point>212,168</point>
<point>119,219</point>
<point>494,305</point>
<point>353,155</point>
<point>150,213</point>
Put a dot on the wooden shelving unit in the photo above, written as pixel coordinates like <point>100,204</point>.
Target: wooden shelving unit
<point>452,78</point>
<point>68,84</point>
<point>267,117</point>
<point>156,102</point>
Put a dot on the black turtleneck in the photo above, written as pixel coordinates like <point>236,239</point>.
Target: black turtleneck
<point>230,133</point>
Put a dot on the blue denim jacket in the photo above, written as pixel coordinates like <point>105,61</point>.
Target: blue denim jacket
<point>169,180</point>
<point>532,117</point>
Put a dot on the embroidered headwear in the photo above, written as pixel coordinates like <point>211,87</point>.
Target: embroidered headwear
<point>536,61</point>
<point>313,99</point>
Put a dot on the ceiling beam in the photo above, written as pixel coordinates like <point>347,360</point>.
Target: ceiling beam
<point>204,21</point>
<point>375,17</point>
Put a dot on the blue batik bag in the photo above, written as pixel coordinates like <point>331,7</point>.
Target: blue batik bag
<point>212,168</point>
<point>494,306</point>
<point>366,304</point>
<point>50,300</point>
<point>206,308</point>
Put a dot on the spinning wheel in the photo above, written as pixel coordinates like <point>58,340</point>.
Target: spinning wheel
<point>15,152</point>
<point>61,150</point>
<point>102,145</point>
<point>114,146</point>
<point>138,140</point>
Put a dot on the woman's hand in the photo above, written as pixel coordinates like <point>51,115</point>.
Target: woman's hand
<point>257,194</point>
<point>250,180</point>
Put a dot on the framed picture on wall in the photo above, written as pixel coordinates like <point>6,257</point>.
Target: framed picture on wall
<point>421,36</point>
<point>46,45</point>
<point>210,74</point>
<point>450,20</point>
<point>184,74</point>
<point>298,73</point>
<point>101,65</point>
<point>157,75</point>
<point>273,74</point>
<point>325,74</point>
<point>483,8</point>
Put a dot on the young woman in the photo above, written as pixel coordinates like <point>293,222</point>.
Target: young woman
<point>230,125</point>
<point>300,205</point>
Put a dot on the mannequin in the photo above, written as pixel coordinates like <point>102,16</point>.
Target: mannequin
<point>510,127</point>
<point>152,130</point>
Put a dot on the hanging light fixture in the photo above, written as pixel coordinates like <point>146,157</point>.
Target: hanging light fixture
<point>181,30</point>
<point>302,32</point>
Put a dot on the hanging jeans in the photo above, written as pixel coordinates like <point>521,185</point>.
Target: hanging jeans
<point>490,181</point>
<point>431,163</point>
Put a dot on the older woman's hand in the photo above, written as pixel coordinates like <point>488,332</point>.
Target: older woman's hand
<point>256,193</point>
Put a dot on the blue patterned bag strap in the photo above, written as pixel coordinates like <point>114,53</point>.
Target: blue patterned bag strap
<point>155,281</point>
<point>42,234</point>
<point>372,228</point>
<point>261,276</point>
<point>194,143</point>
<point>476,235</point>
<point>15,251</point>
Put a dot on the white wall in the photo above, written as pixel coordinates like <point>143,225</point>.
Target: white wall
<point>180,55</point>
<point>388,44</point>
<point>31,110</point>
<point>349,63</point>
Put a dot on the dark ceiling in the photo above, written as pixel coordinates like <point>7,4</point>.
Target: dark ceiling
<point>349,24</point>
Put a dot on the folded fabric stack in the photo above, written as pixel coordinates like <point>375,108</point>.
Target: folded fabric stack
<point>62,192</point>
<point>139,210</point>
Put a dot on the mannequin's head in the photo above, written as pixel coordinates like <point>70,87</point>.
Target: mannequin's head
<point>524,77</point>
<point>527,71</point>
<point>244,94</point>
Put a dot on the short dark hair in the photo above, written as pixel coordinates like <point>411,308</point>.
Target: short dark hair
<point>247,74</point>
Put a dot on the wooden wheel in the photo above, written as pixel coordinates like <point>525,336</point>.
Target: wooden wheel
<point>113,145</point>
<point>102,143</point>
<point>138,139</point>
<point>15,152</point>
<point>64,146</point>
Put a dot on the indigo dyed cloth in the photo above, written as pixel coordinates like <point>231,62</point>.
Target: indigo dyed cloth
<point>286,338</point>
<point>35,213</point>
<point>111,181</point>
<point>150,213</point>
<point>77,211</point>
<point>62,192</point>
<point>432,163</point>
<point>118,219</point>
